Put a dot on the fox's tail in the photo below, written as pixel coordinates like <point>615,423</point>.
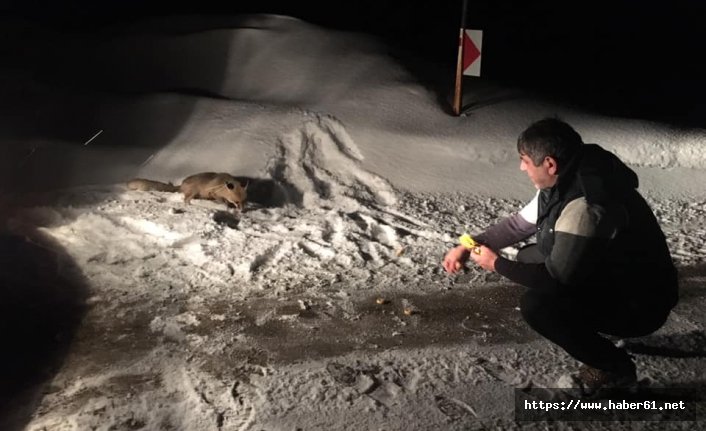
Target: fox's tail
<point>144,185</point>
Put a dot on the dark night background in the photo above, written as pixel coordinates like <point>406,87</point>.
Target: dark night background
<point>626,58</point>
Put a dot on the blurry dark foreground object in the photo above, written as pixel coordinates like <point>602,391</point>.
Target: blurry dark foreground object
<point>42,297</point>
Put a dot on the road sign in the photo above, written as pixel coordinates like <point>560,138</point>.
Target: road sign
<point>472,45</point>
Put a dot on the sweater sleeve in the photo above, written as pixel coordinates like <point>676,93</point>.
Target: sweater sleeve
<point>511,230</point>
<point>532,275</point>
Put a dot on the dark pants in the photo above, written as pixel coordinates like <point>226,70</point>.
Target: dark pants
<point>574,319</point>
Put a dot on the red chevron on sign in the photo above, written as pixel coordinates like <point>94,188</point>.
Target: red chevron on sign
<point>472,43</point>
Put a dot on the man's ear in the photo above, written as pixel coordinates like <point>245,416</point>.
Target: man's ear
<point>551,165</point>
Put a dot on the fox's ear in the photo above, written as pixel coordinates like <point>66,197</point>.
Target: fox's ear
<point>245,187</point>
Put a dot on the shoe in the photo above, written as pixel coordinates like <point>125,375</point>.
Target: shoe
<point>589,382</point>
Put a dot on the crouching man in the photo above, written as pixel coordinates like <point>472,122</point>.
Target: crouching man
<point>600,264</point>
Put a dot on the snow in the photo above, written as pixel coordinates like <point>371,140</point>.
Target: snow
<point>198,318</point>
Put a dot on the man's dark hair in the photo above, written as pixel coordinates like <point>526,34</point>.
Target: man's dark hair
<point>549,137</point>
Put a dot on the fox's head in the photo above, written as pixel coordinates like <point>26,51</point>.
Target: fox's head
<point>234,193</point>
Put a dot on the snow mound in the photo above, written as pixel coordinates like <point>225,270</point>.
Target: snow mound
<point>257,57</point>
<point>320,164</point>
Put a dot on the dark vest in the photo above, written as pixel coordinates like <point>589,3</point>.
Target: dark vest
<point>551,203</point>
<point>638,255</point>
<point>590,174</point>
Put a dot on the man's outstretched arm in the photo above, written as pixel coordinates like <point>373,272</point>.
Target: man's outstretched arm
<point>532,275</point>
<point>508,231</point>
<point>513,229</point>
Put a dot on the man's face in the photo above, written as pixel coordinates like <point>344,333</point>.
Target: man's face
<point>542,176</point>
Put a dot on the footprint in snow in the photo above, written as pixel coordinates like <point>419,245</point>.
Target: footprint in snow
<point>500,372</point>
<point>454,409</point>
<point>342,374</point>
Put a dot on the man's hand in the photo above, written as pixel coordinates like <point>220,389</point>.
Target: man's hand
<point>455,258</point>
<point>485,259</point>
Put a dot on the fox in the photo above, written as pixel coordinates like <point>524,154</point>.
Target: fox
<point>215,186</point>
